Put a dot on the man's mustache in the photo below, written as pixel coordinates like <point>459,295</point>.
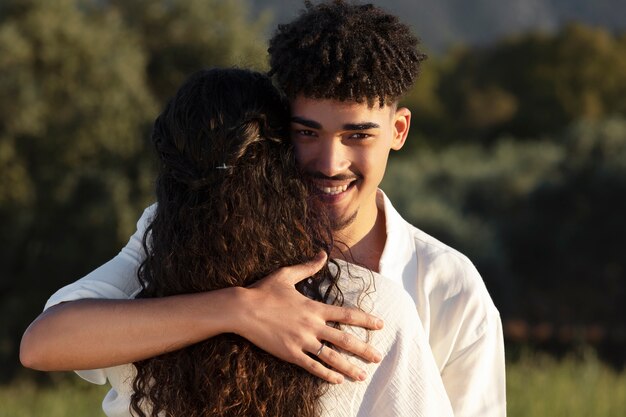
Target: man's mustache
<point>338,177</point>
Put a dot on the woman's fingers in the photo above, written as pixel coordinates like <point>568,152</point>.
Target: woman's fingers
<point>319,370</point>
<point>352,316</point>
<point>340,363</point>
<point>352,344</point>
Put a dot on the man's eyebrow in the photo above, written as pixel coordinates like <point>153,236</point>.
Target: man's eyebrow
<point>306,122</point>
<point>361,126</point>
<point>348,126</point>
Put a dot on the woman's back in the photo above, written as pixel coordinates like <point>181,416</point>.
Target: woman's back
<point>405,383</point>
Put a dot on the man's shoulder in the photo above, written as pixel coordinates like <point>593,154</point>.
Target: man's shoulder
<point>434,258</point>
<point>444,268</point>
<point>443,273</point>
<point>429,247</point>
<point>455,291</point>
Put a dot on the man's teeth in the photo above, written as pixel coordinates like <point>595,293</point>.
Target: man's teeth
<point>333,190</point>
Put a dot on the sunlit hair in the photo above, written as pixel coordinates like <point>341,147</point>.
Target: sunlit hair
<point>346,52</point>
<point>231,209</point>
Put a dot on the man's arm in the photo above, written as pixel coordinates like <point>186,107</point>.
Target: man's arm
<point>467,341</point>
<point>475,377</point>
<point>79,333</point>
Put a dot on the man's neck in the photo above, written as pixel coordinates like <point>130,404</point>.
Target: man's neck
<point>363,241</point>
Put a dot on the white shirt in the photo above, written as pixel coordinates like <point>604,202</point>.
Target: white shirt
<point>459,318</point>
<point>455,312</point>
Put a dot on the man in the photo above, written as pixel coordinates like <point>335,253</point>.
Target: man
<point>344,67</point>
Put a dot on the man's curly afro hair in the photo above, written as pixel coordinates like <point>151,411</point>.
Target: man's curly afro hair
<point>345,52</point>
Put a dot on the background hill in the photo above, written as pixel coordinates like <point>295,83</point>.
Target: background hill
<point>444,23</point>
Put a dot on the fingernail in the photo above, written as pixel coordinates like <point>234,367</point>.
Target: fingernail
<point>339,379</point>
<point>379,324</point>
<point>362,376</point>
<point>378,357</point>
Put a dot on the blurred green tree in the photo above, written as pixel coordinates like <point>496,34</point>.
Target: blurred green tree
<point>81,82</point>
<point>427,110</point>
<point>532,85</point>
<point>566,242</point>
<point>73,105</point>
<point>183,36</point>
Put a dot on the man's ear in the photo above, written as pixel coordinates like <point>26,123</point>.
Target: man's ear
<point>401,124</point>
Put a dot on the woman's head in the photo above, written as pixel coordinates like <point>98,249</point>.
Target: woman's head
<point>231,209</point>
<point>209,123</point>
<point>228,178</point>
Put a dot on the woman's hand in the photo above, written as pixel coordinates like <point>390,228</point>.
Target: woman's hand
<point>285,323</point>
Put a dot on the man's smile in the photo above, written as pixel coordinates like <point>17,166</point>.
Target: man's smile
<point>330,189</point>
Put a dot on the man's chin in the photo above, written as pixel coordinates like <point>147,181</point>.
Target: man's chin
<point>337,219</point>
<point>340,222</point>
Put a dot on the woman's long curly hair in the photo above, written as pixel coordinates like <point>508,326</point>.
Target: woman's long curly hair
<point>231,209</point>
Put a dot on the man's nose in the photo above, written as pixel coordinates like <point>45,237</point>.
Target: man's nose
<point>332,158</point>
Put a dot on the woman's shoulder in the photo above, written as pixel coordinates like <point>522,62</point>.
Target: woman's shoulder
<point>378,295</point>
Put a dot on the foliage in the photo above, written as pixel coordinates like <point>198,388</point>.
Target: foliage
<point>71,118</point>
<point>572,226</point>
<point>528,86</point>
<point>180,37</point>
<point>80,85</point>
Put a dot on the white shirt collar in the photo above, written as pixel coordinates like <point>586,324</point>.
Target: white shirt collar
<point>399,258</point>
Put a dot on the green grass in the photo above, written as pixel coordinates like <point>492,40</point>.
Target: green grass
<point>537,386</point>
<point>66,397</point>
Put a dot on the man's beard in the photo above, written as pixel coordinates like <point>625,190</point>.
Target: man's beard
<point>338,223</point>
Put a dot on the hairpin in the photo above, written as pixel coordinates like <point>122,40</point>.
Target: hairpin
<point>223,166</point>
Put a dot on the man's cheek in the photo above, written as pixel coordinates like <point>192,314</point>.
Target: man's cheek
<point>301,153</point>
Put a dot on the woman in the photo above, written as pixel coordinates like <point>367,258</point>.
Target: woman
<point>231,209</point>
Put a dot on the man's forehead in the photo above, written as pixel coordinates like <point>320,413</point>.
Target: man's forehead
<point>312,108</point>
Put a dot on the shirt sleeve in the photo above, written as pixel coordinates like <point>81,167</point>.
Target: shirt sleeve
<point>466,336</point>
<point>116,279</point>
<point>474,376</point>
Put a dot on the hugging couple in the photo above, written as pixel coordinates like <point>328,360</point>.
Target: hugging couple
<point>272,277</point>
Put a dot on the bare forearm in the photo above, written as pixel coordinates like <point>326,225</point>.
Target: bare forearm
<point>272,314</point>
<point>91,334</point>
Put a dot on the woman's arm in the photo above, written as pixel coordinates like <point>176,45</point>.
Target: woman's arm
<point>97,333</point>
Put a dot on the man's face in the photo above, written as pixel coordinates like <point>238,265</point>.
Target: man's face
<point>343,148</point>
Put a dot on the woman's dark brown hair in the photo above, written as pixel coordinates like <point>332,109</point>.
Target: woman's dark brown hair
<point>231,209</point>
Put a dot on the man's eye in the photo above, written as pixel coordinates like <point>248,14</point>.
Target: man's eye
<point>360,136</point>
<point>305,132</point>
